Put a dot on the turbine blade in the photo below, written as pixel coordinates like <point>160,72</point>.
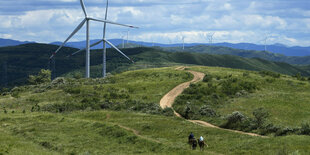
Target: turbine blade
<point>70,36</point>
<point>106,17</point>
<point>118,50</point>
<point>83,7</point>
<point>110,22</point>
<point>92,45</point>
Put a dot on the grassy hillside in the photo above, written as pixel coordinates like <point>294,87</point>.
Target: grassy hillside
<point>24,60</point>
<point>120,115</point>
<point>243,53</point>
<point>284,99</point>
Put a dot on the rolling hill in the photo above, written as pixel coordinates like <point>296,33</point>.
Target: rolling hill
<point>17,62</point>
<point>221,50</point>
<point>121,115</point>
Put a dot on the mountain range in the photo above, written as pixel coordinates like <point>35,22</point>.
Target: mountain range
<point>276,48</point>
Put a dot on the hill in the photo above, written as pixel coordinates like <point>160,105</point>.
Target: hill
<point>275,48</point>
<point>10,42</point>
<point>121,115</point>
<point>20,61</point>
<point>221,50</point>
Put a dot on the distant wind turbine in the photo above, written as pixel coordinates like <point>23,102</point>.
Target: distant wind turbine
<point>88,46</point>
<point>210,37</point>
<point>183,39</point>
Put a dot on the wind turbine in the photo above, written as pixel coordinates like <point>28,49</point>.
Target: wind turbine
<point>265,39</point>
<point>183,40</point>
<point>210,37</point>
<point>123,39</point>
<point>88,46</point>
<point>127,37</point>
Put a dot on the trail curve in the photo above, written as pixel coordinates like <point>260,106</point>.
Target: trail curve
<point>168,100</point>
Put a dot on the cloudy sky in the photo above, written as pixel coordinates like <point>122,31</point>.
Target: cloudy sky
<point>164,21</point>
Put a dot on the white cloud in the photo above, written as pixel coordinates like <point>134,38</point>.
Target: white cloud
<point>163,21</point>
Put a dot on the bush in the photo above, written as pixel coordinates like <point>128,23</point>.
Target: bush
<point>207,78</point>
<point>305,129</point>
<point>269,73</point>
<point>43,76</point>
<point>207,111</point>
<point>260,116</point>
<point>36,107</point>
<point>235,121</point>
<point>269,128</point>
<point>246,74</point>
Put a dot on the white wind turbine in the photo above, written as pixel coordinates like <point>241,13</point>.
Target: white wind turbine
<point>183,41</point>
<point>86,20</point>
<point>123,39</point>
<point>210,37</point>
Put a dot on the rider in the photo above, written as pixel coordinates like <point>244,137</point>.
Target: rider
<point>191,136</point>
<point>201,139</point>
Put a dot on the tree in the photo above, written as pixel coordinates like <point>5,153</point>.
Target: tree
<point>43,76</point>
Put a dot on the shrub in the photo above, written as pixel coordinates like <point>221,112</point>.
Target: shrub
<point>235,120</point>
<point>207,78</point>
<point>269,73</point>
<point>298,76</point>
<point>305,129</point>
<point>168,112</point>
<point>269,128</point>
<point>207,111</point>
<point>246,74</point>
<point>286,131</point>
<point>43,76</point>
<point>260,116</point>
<point>36,107</point>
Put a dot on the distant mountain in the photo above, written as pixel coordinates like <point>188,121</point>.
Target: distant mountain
<point>119,43</point>
<point>10,42</point>
<point>222,50</point>
<point>17,62</point>
<point>276,48</point>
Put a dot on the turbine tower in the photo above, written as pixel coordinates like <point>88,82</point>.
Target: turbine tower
<point>183,39</point>
<point>210,37</point>
<point>88,46</point>
<point>265,42</point>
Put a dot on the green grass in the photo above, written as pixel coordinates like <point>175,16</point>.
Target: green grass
<point>92,131</point>
<point>286,98</point>
<point>100,133</point>
<point>145,86</point>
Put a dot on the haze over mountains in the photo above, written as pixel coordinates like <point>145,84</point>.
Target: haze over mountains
<point>276,48</point>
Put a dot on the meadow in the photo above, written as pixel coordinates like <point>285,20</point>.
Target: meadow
<point>121,115</point>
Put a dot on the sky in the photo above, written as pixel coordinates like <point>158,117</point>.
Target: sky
<point>164,21</point>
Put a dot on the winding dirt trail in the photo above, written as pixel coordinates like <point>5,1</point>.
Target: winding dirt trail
<point>170,97</point>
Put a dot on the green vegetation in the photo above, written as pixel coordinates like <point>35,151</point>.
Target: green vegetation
<point>28,59</point>
<point>43,76</point>
<point>262,102</point>
<point>121,115</point>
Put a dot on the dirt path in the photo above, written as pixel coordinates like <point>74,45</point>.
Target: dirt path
<point>170,97</point>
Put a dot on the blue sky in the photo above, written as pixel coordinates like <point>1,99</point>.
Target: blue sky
<point>164,21</point>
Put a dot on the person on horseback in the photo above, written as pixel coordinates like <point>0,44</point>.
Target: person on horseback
<point>191,136</point>
<point>202,143</point>
<point>201,139</point>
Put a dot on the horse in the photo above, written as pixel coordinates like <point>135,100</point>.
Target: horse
<point>202,145</point>
<point>193,143</point>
